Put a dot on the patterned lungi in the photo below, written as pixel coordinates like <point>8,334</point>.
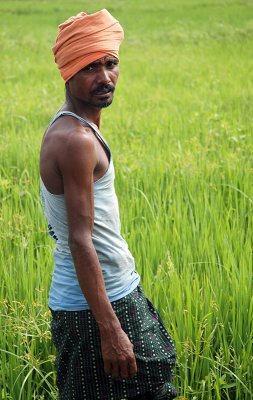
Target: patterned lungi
<point>79,363</point>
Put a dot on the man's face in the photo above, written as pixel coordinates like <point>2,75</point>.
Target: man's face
<point>94,85</point>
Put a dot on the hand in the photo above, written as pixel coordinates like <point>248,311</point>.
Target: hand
<point>118,355</point>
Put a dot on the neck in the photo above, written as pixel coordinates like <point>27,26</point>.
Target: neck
<point>91,114</point>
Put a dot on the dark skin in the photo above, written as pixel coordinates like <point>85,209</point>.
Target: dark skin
<point>72,158</point>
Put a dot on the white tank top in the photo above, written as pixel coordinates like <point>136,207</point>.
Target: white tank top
<point>116,261</point>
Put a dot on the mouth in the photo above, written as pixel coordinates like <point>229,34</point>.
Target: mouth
<point>103,90</point>
<point>103,94</point>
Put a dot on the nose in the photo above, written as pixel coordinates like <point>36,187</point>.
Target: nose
<point>103,76</point>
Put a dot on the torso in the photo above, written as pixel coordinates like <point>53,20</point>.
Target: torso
<point>53,148</point>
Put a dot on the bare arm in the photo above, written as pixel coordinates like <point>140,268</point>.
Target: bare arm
<point>77,165</point>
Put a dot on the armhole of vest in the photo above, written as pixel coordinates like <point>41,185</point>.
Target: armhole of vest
<point>86,123</point>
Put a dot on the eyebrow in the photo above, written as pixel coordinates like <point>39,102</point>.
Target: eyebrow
<point>93,63</point>
<point>98,62</point>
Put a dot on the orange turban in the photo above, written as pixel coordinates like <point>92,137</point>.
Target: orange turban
<point>85,38</point>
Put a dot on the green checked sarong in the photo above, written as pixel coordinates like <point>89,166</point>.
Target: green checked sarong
<point>79,363</point>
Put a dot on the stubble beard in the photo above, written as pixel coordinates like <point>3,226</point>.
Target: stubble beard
<point>105,104</point>
<point>99,89</point>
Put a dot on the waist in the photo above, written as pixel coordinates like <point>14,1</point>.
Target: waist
<point>66,294</point>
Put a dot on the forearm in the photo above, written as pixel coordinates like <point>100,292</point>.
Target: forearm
<point>91,281</point>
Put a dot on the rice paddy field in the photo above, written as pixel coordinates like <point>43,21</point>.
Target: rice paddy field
<point>180,129</point>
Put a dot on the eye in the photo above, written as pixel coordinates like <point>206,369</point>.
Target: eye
<point>112,63</point>
<point>89,68</point>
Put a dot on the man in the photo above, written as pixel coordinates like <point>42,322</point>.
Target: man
<point>111,343</point>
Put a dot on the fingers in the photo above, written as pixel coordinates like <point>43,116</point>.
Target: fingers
<point>132,367</point>
<point>121,369</point>
<point>107,367</point>
<point>115,370</point>
<point>118,355</point>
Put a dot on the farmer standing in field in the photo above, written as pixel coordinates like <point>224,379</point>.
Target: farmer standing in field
<point>111,342</point>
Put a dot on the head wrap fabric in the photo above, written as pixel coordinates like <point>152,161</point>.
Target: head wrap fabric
<point>84,38</point>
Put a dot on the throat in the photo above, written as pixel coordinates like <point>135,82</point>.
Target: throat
<point>90,113</point>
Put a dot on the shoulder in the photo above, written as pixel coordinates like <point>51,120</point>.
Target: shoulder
<point>78,151</point>
<point>68,137</point>
<point>79,141</point>
<point>70,144</point>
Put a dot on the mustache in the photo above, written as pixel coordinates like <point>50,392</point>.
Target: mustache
<point>100,89</point>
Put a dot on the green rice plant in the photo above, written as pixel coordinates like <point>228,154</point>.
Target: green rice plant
<point>180,130</point>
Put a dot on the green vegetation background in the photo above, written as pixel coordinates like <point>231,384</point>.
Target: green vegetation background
<point>180,129</point>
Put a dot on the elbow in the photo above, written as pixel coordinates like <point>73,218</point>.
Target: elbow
<point>79,244</point>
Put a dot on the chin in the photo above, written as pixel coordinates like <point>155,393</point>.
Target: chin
<point>105,104</point>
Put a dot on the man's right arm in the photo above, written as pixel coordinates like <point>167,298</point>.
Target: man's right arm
<point>77,164</point>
